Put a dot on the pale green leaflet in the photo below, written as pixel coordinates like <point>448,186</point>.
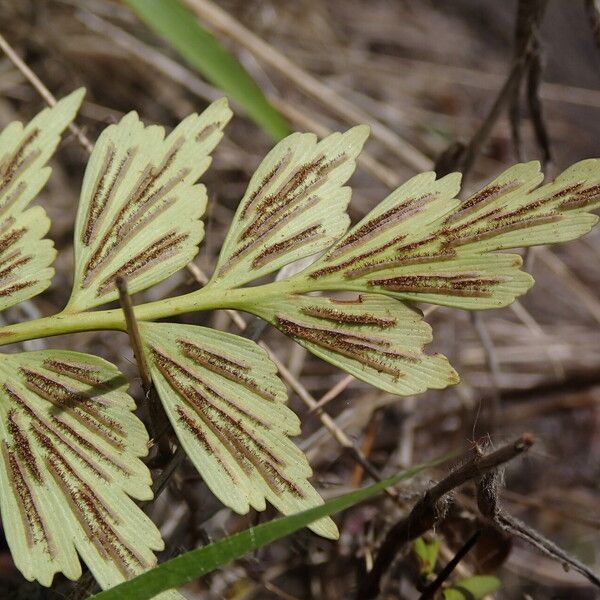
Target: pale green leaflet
<point>24,151</point>
<point>70,467</point>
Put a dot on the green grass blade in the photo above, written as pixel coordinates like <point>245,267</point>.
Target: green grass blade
<point>199,562</point>
<point>176,24</point>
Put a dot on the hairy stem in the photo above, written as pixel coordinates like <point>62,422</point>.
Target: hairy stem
<point>431,508</point>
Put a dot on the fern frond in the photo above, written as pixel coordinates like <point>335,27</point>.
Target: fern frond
<point>227,407</point>
<point>140,208</point>
<point>295,206</point>
<point>68,467</point>
<point>422,244</point>
<point>25,258</point>
<point>377,339</point>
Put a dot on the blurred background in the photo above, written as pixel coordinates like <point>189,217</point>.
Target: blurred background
<point>425,75</point>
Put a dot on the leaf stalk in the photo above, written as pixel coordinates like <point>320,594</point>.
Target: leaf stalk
<point>207,298</point>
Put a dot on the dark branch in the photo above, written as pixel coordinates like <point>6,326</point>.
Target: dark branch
<point>431,508</point>
<point>593,11</point>
<point>436,584</point>
<point>526,62</point>
<point>489,506</point>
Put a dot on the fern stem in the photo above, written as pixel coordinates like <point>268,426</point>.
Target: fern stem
<point>207,298</point>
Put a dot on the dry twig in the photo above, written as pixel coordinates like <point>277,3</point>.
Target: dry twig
<point>216,18</point>
<point>431,508</point>
<point>489,506</point>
